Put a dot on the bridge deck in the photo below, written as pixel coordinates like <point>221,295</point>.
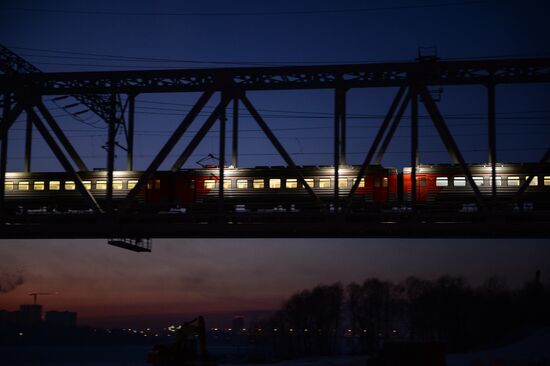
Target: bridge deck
<point>527,225</point>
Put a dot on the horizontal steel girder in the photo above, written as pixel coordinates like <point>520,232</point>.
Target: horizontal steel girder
<point>497,71</point>
<point>98,227</point>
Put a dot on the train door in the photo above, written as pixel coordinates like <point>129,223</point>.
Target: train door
<point>421,188</point>
<point>381,188</point>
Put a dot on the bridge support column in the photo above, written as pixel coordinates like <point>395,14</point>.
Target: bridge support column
<point>130,133</point>
<point>492,137</point>
<point>235,138</point>
<point>414,141</point>
<point>4,148</point>
<point>111,151</point>
<point>28,145</point>
<point>223,120</point>
<point>337,144</point>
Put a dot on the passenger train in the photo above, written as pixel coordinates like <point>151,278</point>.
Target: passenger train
<point>264,188</point>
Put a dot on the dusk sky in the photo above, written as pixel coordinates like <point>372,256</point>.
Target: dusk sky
<point>198,276</point>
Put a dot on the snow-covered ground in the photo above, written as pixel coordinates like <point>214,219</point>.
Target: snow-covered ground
<point>531,351</point>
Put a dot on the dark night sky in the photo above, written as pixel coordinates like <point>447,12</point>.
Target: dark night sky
<point>203,275</point>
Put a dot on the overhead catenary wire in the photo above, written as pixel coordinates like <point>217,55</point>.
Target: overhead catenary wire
<point>249,13</point>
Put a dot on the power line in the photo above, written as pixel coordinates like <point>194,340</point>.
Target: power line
<point>300,153</point>
<point>252,13</point>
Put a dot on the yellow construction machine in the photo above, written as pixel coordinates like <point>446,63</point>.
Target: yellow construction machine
<point>188,349</point>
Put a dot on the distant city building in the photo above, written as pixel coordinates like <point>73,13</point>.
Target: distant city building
<point>237,325</point>
<point>8,317</point>
<point>30,314</point>
<point>61,318</point>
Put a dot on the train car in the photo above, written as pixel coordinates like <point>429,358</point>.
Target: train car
<point>257,188</point>
<point>446,186</point>
<point>49,191</point>
<point>268,187</point>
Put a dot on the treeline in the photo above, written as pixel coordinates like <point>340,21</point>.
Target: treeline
<point>357,318</point>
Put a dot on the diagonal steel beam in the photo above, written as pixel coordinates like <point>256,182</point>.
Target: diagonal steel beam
<point>10,115</point>
<point>376,142</point>
<point>63,160</point>
<point>265,128</point>
<point>389,136</point>
<point>61,137</point>
<point>8,118</point>
<point>168,146</point>
<point>447,137</point>
<point>199,136</point>
<point>545,159</point>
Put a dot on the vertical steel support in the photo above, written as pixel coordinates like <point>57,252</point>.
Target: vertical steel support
<point>414,140</point>
<point>4,148</point>
<point>130,135</point>
<point>111,151</point>
<point>343,145</point>
<point>223,120</point>
<point>337,113</point>
<point>492,137</point>
<point>235,138</point>
<point>28,144</point>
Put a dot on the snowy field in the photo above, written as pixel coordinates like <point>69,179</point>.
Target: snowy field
<point>532,351</point>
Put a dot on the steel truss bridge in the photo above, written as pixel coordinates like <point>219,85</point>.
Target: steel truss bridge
<point>112,96</point>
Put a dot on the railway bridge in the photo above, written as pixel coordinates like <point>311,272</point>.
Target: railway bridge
<point>112,96</point>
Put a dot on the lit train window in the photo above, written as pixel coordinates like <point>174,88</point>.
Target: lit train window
<point>23,186</point>
<point>441,181</point>
<point>157,183</point>
<point>361,182</point>
<point>459,181</point>
<point>342,182</point>
<point>209,184</point>
<point>38,185</point>
<point>132,184</point>
<point>242,183</point>
<point>258,183</point>
<point>324,182</point>
<point>310,182</point>
<point>54,185</point>
<point>227,184</point>
<point>275,183</point>
<point>291,183</point>
<point>8,186</point>
<point>101,185</point>
<point>70,185</point>
<point>534,181</point>
<point>547,180</point>
<point>478,181</point>
<point>117,184</point>
<point>498,181</point>
<point>384,182</point>
<point>513,181</point>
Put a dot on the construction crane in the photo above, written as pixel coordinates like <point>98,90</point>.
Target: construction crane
<point>36,294</point>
